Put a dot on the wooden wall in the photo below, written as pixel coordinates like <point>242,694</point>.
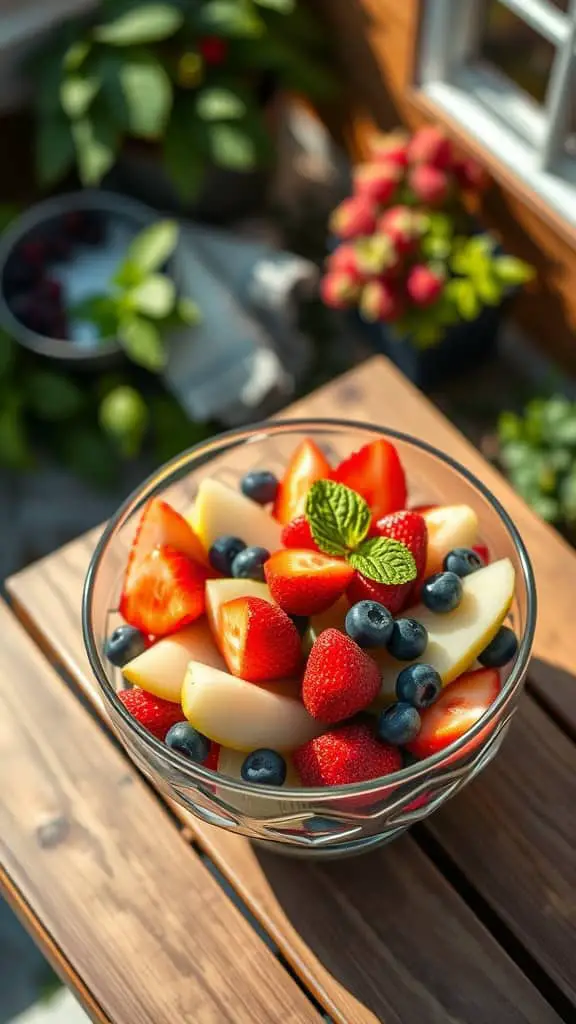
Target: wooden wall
<point>376,44</point>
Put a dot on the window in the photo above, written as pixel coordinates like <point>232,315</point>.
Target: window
<point>506,69</point>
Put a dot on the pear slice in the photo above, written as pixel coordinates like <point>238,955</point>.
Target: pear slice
<point>455,640</point>
<point>161,669</point>
<point>449,526</point>
<point>218,592</point>
<point>220,510</point>
<point>243,715</point>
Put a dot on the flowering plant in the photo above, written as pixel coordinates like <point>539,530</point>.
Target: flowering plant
<point>408,254</point>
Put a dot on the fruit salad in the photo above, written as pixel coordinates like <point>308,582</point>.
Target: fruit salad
<point>314,630</point>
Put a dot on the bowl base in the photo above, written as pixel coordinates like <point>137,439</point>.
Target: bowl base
<point>337,852</point>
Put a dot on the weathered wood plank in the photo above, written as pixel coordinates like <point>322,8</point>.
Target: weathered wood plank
<point>132,909</point>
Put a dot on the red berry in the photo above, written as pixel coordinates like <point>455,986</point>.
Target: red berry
<point>424,285</point>
<point>213,49</point>
<point>483,552</point>
<point>429,184</point>
<point>429,145</point>
<point>345,755</point>
<point>377,182</point>
<point>375,472</point>
<point>391,148</point>
<point>155,714</point>
<point>297,534</point>
<point>164,592</point>
<point>344,259</point>
<point>339,290</point>
<point>258,640</point>
<point>355,216</point>
<point>33,252</point>
<point>213,755</point>
<point>380,301</point>
<point>305,582</point>
<point>409,528</point>
<point>471,176</point>
<point>340,678</point>
<point>403,226</point>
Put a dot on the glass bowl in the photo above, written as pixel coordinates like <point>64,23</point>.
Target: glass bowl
<point>329,822</point>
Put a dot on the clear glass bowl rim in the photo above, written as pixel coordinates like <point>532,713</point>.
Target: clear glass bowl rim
<point>258,432</point>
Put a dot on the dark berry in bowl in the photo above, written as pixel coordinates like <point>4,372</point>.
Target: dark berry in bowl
<point>260,485</point>
<point>442,592</point>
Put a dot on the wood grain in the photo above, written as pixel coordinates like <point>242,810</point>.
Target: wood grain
<point>131,908</point>
<point>48,596</point>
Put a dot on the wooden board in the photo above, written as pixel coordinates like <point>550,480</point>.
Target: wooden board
<point>120,894</point>
<point>48,593</point>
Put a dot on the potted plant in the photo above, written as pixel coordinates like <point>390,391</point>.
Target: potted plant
<point>537,452</point>
<point>176,94</point>
<point>411,261</point>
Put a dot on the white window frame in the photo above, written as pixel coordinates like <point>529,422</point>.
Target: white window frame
<point>525,136</point>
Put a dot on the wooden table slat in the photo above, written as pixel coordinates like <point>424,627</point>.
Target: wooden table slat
<point>131,907</point>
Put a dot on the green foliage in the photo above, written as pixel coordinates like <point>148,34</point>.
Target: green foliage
<point>132,70</point>
<point>142,302</point>
<point>538,454</point>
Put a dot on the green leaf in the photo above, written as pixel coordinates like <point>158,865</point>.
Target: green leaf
<point>55,152</point>
<point>282,6</point>
<point>76,54</point>
<point>186,161</point>
<point>467,301</point>
<point>230,18</point>
<point>232,147</point>
<point>100,310</point>
<point>128,275</point>
<point>568,497</point>
<point>148,93</point>
<point>512,271</point>
<point>96,143</point>
<point>384,560</point>
<point>219,104</point>
<point>515,454</point>
<point>489,289</point>
<point>545,507</point>
<point>124,416</point>
<point>52,396</point>
<point>155,296</point>
<point>14,450</point>
<point>153,246</point>
<point>76,94</point>
<point>148,23</point>
<point>142,342</point>
<point>339,518</point>
<point>509,427</point>
<point>188,311</point>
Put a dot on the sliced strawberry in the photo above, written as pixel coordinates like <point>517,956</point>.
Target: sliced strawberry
<point>340,678</point>
<point>161,524</point>
<point>297,534</point>
<point>423,508</point>
<point>155,714</point>
<point>457,709</point>
<point>376,473</point>
<point>482,551</point>
<point>165,592</point>
<point>258,640</point>
<point>409,527</point>
<point>307,465</point>
<point>306,582</point>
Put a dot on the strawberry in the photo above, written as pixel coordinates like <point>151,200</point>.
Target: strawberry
<point>155,714</point>
<point>380,301</point>
<point>161,524</point>
<point>354,216</point>
<point>424,285</point>
<point>409,527</point>
<point>482,551</point>
<point>297,534</point>
<point>165,592</point>
<point>258,640</point>
<point>345,755</point>
<point>375,472</point>
<point>306,465</point>
<point>457,709</point>
<point>305,582</point>
<point>391,148</point>
<point>429,145</point>
<point>340,678</point>
<point>429,184</point>
<point>339,290</point>
<point>377,182</point>
<point>471,176</point>
<point>403,225</point>
<point>344,259</point>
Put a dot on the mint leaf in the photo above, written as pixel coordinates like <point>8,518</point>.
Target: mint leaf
<point>339,518</point>
<point>384,560</point>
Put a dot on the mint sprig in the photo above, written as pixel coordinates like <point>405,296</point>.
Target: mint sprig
<point>339,520</point>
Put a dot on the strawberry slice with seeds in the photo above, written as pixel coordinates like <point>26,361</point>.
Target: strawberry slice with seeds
<point>165,592</point>
<point>306,582</point>
<point>375,472</point>
<point>159,525</point>
<point>307,465</point>
<point>457,709</point>
<point>258,640</point>
<point>410,528</point>
<point>154,713</point>
<point>297,534</point>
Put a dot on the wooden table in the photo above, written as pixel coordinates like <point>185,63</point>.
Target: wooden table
<point>471,918</point>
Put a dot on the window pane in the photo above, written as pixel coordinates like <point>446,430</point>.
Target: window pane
<point>516,50</point>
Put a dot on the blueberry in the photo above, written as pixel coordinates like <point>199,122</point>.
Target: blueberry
<point>249,563</point>
<point>223,552</point>
<point>501,649</point>
<point>265,767</point>
<point>260,485</point>
<point>462,561</point>
<point>369,623</point>
<point>301,622</point>
<point>408,640</point>
<point>188,742</point>
<point>125,643</point>
<point>418,685</point>
<point>398,724</point>
<point>442,592</point>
